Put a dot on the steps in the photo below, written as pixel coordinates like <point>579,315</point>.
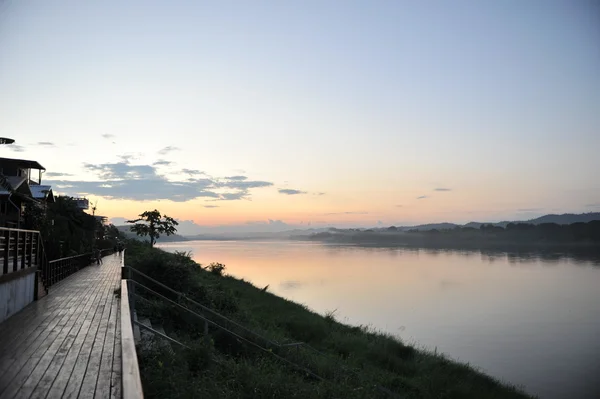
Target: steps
<point>164,343</point>
<point>146,336</point>
<point>146,339</point>
<point>136,329</point>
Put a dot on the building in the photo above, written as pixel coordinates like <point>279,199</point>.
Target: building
<point>82,203</point>
<point>20,187</point>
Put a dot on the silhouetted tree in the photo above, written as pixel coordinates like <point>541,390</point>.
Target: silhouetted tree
<point>153,224</point>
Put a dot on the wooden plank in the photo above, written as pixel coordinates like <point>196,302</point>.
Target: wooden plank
<point>60,359</point>
<point>49,337</point>
<point>24,347</point>
<point>76,380</point>
<point>32,316</point>
<point>71,373</point>
<point>103,385</point>
<point>15,360</point>
<point>30,375</point>
<point>116,384</point>
<point>15,229</point>
<point>88,386</point>
<point>132,383</point>
<point>42,377</point>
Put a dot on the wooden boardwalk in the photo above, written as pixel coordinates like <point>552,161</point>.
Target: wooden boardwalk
<point>67,344</point>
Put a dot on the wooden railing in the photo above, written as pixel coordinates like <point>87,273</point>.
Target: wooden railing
<point>20,250</point>
<point>23,251</point>
<point>131,379</point>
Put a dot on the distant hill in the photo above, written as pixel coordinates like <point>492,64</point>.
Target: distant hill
<point>566,218</point>
<point>432,226</point>
<point>175,237</point>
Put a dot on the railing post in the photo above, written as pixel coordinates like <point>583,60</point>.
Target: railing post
<point>36,286</point>
<point>6,251</point>
<point>16,252</point>
<point>30,254</point>
<point>24,250</point>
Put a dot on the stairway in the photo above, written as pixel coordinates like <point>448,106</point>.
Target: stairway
<point>146,339</point>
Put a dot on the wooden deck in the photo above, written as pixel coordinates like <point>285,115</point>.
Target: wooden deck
<point>67,344</point>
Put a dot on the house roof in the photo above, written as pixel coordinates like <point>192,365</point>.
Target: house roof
<point>16,182</point>
<point>23,163</point>
<point>38,191</point>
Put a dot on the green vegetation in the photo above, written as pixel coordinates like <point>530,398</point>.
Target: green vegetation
<point>153,224</point>
<point>67,230</point>
<point>356,362</point>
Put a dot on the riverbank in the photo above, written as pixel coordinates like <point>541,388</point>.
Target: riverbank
<point>356,361</point>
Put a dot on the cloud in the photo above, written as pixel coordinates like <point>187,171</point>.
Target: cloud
<point>192,172</point>
<point>108,136</point>
<point>122,170</point>
<point>399,206</point>
<point>244,185</point>
<point>347,213</point>
<point>442,189</point>
<point>121,180</point>
<point>167,150</point>
<point>16,147</point>
<point>236,178</point>
<point>57,174</point>
<point>234,196</point>
<point>128,157</point>
<point>320,193</point>
<point>593,205</point>
<point>162,162</point>
<point>422,197</point>
<point>289,191</point>
<point>45,143</point>
<point>211,206</point>
<point>530,210</point>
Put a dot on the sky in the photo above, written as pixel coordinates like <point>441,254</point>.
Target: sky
<point>309,113</point>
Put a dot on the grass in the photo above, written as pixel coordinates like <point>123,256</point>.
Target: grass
<point>353,362</point>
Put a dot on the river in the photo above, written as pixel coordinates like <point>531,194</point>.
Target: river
<point>531,322</point>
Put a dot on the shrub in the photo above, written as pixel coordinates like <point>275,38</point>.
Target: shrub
<point>216,268</point>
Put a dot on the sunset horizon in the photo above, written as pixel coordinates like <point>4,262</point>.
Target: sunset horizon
<point>204,126</point>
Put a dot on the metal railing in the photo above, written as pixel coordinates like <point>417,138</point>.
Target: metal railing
<point>23,251</point>
<point>56,270</point>
<point>280,351</point>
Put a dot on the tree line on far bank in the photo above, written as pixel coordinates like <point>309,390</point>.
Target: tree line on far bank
<point>553,232</point>
<point>514,233</point>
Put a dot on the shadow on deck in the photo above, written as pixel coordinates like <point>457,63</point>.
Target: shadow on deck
<point>67,344</point>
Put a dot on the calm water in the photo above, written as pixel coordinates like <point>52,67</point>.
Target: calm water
<point>534,323</point>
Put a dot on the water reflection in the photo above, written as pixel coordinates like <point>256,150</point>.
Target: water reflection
<point>528,317</point>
